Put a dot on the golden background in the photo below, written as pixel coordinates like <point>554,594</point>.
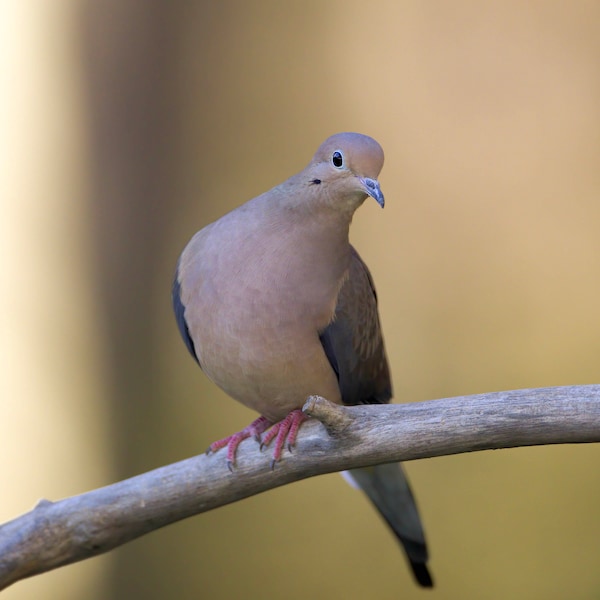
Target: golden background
<point>127,126</point>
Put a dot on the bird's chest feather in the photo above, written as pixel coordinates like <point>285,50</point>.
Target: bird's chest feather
<point>271,279</point>
<point>259,306</point>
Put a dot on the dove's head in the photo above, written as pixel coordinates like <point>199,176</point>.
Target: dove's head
<point>345,169</point>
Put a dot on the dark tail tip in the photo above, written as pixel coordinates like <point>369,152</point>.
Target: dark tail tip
<point>422,574</point>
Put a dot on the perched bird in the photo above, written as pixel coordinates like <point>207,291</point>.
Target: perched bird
<point>276,305</point>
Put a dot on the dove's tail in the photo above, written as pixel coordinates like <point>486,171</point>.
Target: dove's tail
<point>388,489</point>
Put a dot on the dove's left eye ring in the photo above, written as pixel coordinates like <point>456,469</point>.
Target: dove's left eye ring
<point>337,159</point>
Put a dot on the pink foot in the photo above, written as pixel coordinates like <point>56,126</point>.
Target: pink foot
<point>233,441</point>
<point>282,431</point>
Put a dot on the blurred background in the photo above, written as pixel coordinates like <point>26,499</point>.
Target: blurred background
<point>127,126</point>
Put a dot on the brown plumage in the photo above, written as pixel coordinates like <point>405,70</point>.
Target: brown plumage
<point>276,305</point>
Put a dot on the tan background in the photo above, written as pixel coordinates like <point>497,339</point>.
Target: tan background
<point>127,126</point>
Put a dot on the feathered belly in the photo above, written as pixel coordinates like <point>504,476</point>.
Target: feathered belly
<point>255,330</point>
<point>270,368</point>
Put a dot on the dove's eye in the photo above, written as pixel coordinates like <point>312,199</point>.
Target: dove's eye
<point>337,159</point>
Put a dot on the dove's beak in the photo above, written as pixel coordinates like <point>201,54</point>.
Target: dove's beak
<point>372,188</point>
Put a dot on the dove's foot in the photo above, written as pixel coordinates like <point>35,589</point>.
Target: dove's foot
<point>233,441</point>
<point>282,432</point>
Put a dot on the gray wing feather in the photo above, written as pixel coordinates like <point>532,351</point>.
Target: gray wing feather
<point>353,342</point>
<point>179,309</point>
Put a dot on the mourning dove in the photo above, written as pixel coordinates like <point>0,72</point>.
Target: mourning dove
<point>276,305</point>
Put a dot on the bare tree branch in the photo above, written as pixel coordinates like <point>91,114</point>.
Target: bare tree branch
<point>58,533</point>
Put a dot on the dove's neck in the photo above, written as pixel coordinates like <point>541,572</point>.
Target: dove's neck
<point>285,241</point>
<point>315,250</point>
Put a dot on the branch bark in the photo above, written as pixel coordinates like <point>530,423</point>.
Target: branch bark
<point>54,534</point>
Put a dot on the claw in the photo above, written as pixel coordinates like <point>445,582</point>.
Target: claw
<point>284,433</point>
<point>233,441</point>
<point>286,430</point>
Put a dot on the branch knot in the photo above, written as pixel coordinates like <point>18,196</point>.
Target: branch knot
<point>334,417</point>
